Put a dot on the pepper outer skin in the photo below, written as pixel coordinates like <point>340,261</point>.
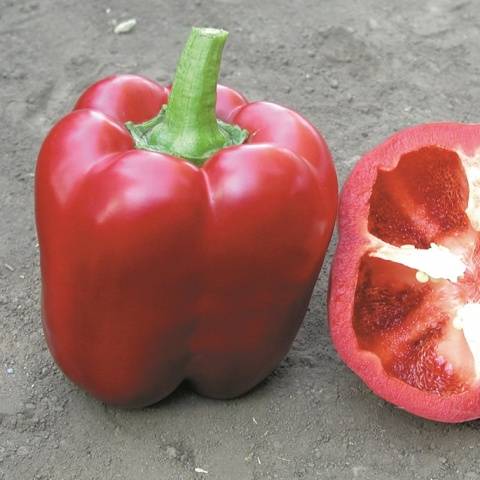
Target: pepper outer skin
<point>156,271</point>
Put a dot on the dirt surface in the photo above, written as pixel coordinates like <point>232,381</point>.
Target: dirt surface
<point>359,70</point>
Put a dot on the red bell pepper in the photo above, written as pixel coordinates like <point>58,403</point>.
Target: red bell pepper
<point>404,302</point>
<point>183,247</point>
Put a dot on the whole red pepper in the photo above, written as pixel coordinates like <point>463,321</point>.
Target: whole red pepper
<point>183,248</point>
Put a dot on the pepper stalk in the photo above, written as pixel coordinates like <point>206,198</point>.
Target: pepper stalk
<point>187,127</point>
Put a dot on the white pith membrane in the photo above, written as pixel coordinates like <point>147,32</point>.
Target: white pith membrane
<point>436,262</point>
<point>448,263</point>
<point>471,166</point>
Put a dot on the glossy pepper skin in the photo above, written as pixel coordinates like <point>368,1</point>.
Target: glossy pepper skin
<point>157,271</point>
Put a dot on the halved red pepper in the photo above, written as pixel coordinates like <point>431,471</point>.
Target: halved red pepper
<point>404,305</point>
<point>181,248</point>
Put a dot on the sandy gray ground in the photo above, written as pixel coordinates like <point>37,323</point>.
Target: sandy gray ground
<point>359,70</point>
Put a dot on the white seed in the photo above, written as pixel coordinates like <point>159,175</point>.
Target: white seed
<point>422,277</point>
<point>457,323</point>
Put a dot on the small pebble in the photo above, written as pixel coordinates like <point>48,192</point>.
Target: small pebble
<point>23,451</point>
<point>126,26</point>
<point>172,452</point>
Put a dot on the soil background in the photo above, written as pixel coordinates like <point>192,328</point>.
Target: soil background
<point>359,70</point>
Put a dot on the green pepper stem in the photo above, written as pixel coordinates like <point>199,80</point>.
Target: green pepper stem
<point>190,117</point>
<point>188,127</point>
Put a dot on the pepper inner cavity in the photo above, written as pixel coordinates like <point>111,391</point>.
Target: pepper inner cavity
<point>424,217</point>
